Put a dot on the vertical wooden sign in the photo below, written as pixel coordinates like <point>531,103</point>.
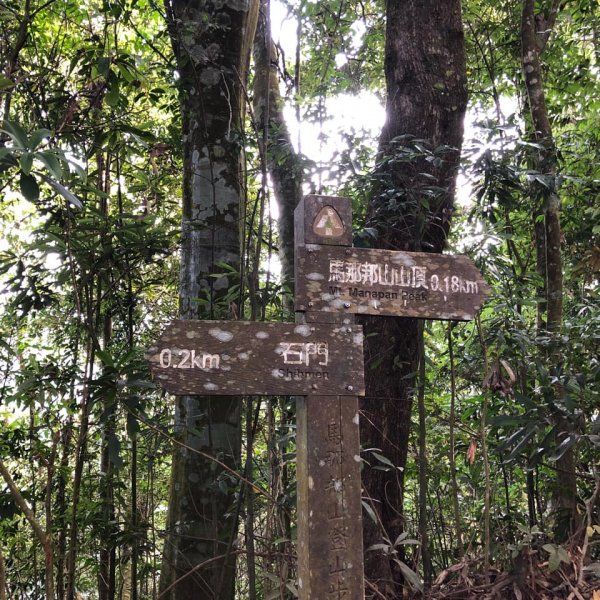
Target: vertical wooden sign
<point>330,549</point>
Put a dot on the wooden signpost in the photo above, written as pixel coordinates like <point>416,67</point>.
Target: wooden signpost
<point>320,360</point>
<point>384,282</point>
<point>251,358</point>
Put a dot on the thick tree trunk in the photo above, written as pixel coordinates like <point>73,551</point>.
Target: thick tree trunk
<point>426,91</point>
<point>211,42</point>
<point>535,31</point>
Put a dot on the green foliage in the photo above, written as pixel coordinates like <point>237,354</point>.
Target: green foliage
<point>90,167</point>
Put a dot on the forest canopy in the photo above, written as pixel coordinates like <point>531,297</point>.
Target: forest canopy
<point>151,156</point>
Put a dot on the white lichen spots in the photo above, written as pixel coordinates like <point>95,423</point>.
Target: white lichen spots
<point>357,339</point>
<point>243,356</point>
<point>533,81</point>
<point>528,57</point>
<point>210,76</point>
<point>403,259</point>
<point>211,386</point>
<point>210,191</point>
<point>356,458</point>
<point>355,419</point>
<point>221,283</point>
<point>276,373</point>
<point>218,151</point>
<point>221,334</point>
<point>303,330</point>
<point>261,335</point>
<point>300,582</point>
<point>315,276</point>
<point>190,335</point>
<point>321,463</point>
<point>311,483</point>
<point>279,350</point>
<point>529,69</point>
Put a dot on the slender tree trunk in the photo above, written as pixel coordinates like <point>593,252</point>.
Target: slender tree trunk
<point>3,582</point>
<point>535,31</point>
<point>80,453</point>
<point>426,98</point>
<point>283,162</point>
<point>211,42</point>
<point>423,468</point>
<point>452,450</point>
<point>43,537</point>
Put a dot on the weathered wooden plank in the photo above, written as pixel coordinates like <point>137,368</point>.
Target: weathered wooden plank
<point>384,282</point>
<point>223,358</point>
<point>330,552</point>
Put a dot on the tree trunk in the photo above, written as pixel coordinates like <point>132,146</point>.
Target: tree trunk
<point>535,31</point>
<point>426,98</point>
<point>282,161</point>
<point>211,42</point>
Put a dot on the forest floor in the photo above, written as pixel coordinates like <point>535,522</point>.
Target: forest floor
<point>530,579</point>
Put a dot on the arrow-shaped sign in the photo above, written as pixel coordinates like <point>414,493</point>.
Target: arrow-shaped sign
<point>224,358</point>
<point>385,282</point>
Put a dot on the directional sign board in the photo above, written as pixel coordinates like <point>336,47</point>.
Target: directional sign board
<point>223,358</point>
<point>385,282</point>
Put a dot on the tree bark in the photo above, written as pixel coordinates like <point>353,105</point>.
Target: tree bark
<point>426,98</point>
<point>283,162</point>
<point>535,31</point>
<point>211,41</point>
<point>44,537</point>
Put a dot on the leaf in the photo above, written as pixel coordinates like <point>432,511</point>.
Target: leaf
<point>413,579</point>
<point>370,511</point>
<point>16,133</point>
<point>563,447</point>
<point>382,459</point>
<point>64,192</point>
<point>37,137</point>
<point>26,162</point>
<point>5,82</point>
<point>51,162</point>
<point>385,548</point>
<point>553,562</point>
<point>114,450</point>
<point>29,187</point>
<point>133,426</point>
<point>472,451</point>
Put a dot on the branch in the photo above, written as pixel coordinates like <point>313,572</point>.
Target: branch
<point>22,504</point>
<point>546,26</point>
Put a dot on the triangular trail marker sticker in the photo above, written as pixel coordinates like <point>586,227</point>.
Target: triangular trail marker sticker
<point>328,223</point>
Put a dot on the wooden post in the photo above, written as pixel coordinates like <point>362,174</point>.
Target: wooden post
<point>320,357</point>
<point>330,549</point>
